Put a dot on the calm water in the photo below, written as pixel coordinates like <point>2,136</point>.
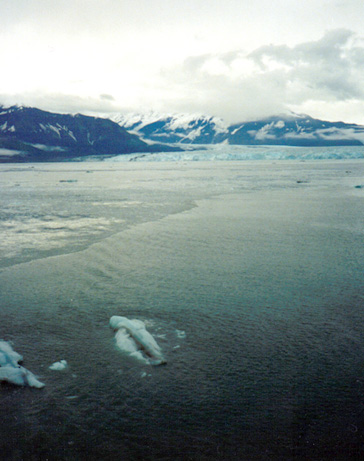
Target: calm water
<point>248,274</point>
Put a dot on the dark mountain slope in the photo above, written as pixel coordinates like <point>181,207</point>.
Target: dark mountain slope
<point>29,134</point>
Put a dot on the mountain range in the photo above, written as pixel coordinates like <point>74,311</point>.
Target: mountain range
<point>33,135</point>
<point>286,129</point>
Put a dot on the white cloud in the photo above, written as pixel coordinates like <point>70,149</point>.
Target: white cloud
<point>332,65</point>
<point>349,110</point>
<point>273,78</point>
<point>236,59</point>
<point>60,102</point>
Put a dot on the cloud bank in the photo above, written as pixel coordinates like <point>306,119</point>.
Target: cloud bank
<point>314,75</point>
<point>108,60</point>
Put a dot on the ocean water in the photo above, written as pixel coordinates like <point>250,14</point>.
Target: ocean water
<point>248,274</point>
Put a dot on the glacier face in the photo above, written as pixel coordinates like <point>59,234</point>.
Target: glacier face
<point>226,152</point>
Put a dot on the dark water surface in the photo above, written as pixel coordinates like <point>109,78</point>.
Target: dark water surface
<point>250,277</point>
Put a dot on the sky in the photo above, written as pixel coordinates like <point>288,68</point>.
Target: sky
<point>235,59</point>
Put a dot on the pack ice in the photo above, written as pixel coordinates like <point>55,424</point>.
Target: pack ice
<point>11,371</point>
<point>133,338</point>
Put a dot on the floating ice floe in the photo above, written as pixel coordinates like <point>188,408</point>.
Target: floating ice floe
<point>144,374</point>
<point>58,366</point>
<point>180,334</point>
<point>133,338</point>
<point>11,371</point>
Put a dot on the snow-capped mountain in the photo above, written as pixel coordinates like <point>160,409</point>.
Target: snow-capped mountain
<point>32,135</point>
<point>29,134</point>
<point>296,130</point>
<point>286,129</point>
<point>175,128</point>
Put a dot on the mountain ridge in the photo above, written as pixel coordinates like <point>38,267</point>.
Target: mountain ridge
<point>31,134</point>
<point>284,129</point>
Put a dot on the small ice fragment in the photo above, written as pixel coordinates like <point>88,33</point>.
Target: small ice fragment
<point>57,366</point>
<point>180,333</point>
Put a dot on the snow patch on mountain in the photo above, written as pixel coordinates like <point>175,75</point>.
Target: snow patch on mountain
<point>4,127</point>
<point>9,152</point>
<point>282,129</point>
<point>182,128</point>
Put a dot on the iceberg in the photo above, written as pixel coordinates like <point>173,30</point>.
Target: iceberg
<point>133,338</point>
<point>12,372</point>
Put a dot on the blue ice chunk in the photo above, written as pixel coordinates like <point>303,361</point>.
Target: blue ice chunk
<point>12,372</point>
<point>133,338</point>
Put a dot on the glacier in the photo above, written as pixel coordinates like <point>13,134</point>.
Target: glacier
<point>227,152</point>
<point>12,372</point>
<point>133,338</point>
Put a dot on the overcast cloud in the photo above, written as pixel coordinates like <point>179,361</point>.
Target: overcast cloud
<point>236,59</point>
<point>273,78</point>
